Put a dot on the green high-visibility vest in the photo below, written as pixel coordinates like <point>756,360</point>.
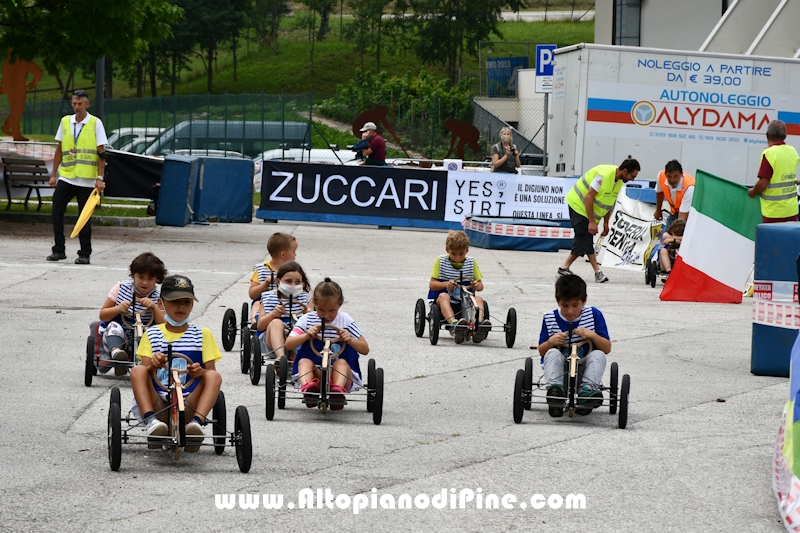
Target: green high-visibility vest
<point>82,163</point>
<point>605,197</point>
<point>779,199</point>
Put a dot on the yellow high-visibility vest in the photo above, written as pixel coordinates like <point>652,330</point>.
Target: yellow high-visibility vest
<point>605,197</point>
<point>779,199</point>
<point>82,163</point>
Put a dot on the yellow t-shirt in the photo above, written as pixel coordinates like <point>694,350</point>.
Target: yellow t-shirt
<point>210,349</point>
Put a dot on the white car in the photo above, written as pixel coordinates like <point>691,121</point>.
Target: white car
<point>314,155</point>
<point>125,136</point>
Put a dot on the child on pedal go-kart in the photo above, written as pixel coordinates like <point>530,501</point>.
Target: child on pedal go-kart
<point>447,270</point>
<point>587,323</point>
<point>198,344</point>
<point>276,319</point>
<point>345,370</point>
<point>147,271</point>
<point>282,248</point>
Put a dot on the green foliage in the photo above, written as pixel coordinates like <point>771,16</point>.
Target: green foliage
<point>60,33</point>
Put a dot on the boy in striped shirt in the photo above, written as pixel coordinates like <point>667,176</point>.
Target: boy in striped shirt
<point>587,323</point>
<point>447,269</point>
<point>195,342</point>
<point>282,248</point>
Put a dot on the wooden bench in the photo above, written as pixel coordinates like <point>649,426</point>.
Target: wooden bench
<point>24,172</point>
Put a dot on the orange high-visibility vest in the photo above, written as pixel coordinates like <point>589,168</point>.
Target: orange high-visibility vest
<point>675,203</point>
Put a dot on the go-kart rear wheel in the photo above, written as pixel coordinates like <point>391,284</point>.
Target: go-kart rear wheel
<point>220,426</point>
<point>434,323</point>
<point>115,396</point>
<point>519,383</point>
<point>244,350</point>
<point>242,438</point>
<point>511,327</point>
<point>377,406</point>
<point>527,385</point>
<point>653,269</point>
<point>283,378</point>
<point>114,436</point>
<point>228,329</point>
<point>255,360</point>
<point>245,318</point>
<point>623,401</point>
<point>89,370</point>
<point>370,385</point>
<point>647,271</point>
<point>612,395</point>
<point>486,315</point>
<point>270,392</point>
<point>419,318</point>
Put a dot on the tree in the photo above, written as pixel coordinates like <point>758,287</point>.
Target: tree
<point>440,31</point>
<point>212,23</point>
<point>365,30</point>
<point>62,32</point>
<point>264,17</point>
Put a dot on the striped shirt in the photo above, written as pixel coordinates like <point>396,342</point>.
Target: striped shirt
<point>196,343</point>
<point>446,270</point>
<point>261,272</point>
<point>591,318</point>
<point>342,321</point>
<point>123,292</point>
<point>271,299</point>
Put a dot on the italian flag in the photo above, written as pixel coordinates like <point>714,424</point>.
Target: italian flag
<point>718,247</point>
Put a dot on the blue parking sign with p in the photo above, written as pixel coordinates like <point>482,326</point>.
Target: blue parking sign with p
<point>544,59</point>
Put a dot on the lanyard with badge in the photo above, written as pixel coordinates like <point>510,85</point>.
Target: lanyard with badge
<point>75,134</point>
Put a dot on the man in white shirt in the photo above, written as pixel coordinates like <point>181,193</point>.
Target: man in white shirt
<point>677,188</point>
<point>78,169</point>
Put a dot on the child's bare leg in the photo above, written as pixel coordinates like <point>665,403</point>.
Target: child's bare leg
<point>342,374</point>
<point>306,371</point>
<point>255,309</point>
<point>204,396</point>
<point>663,256</point>
<point>443,301</point>
<point>276,337</point>
<point>142,389</point>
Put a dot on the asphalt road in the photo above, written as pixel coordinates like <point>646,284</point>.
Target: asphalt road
<point>686,462</point>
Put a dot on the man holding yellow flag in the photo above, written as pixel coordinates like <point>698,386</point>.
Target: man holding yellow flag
<point>595,192</point>
<point>777,175</point>
<point>78,168</point>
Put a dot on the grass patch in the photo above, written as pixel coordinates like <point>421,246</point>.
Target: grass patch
<point>105,210</point>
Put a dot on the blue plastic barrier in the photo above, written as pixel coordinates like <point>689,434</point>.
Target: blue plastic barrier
<point>176,196</point>
<point>777,249</point>
<point>225,190</point>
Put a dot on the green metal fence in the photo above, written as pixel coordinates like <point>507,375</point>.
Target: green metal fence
<point>231,115</point>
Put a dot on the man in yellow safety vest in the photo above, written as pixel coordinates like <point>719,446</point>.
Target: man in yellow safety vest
<point>594,193</point>
<point>78,169</point>
<point>777,177</point>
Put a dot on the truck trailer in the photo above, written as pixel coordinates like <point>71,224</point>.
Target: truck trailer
<point>709,111</point>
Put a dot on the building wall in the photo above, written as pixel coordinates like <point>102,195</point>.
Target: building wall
<point>603,21</point>
<point>678,24</point>
<point>675,24</point>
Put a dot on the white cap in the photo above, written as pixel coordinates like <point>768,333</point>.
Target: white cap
<point>369,126</point>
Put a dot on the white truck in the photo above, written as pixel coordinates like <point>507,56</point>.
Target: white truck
<point>707,110</point>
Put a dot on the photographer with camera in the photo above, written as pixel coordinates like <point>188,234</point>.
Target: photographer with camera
<point>505,156</point>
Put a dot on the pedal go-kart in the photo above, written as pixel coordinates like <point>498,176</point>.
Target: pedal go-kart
<point>371,394</point>
<point>132,322</point>
<point>258,359</point>
<point>466,309</point>
<point>175,441</point>
<point>526,392</point>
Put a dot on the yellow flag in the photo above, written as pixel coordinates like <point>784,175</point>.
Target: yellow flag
<point>88,209</point>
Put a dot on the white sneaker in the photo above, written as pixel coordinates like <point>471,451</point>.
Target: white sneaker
<point>193,442</point>
<point>156,428</point>
<point>599,277</point>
